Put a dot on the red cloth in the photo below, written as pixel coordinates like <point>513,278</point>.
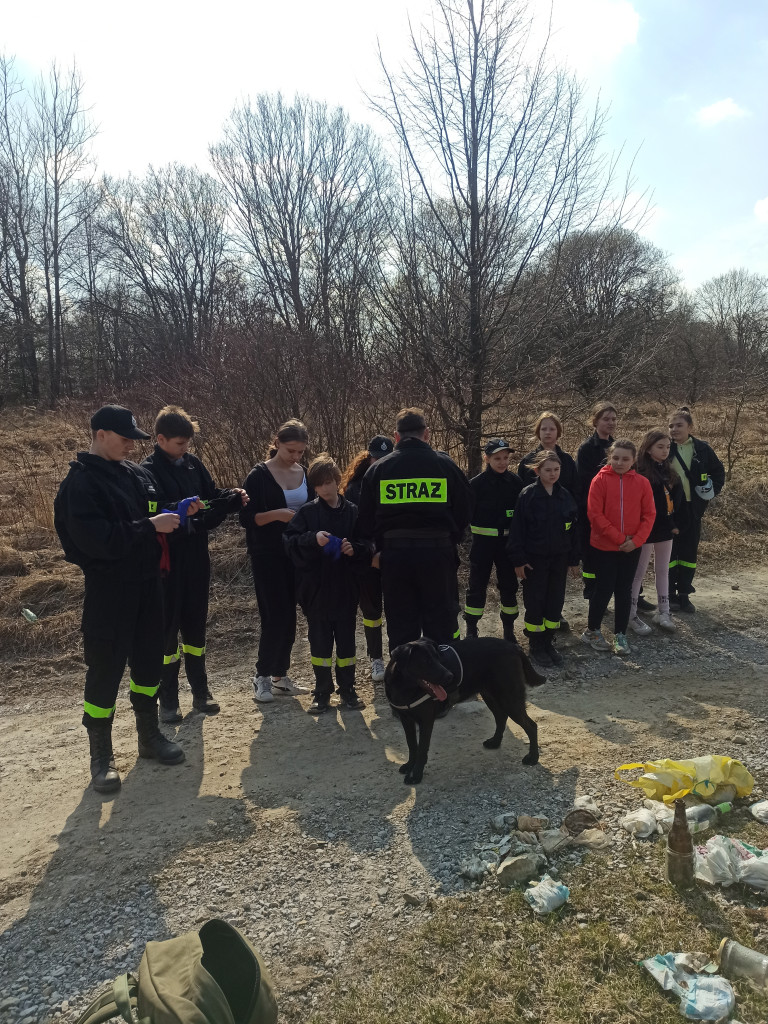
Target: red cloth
<point>165,557</point>
<point>620,505</point>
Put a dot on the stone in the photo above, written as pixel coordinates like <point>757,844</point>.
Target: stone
<point>521,868</point>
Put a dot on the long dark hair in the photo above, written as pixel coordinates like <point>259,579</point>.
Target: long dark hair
<point>291,430</point>
<point>649,467</point>
<point>355,470</point>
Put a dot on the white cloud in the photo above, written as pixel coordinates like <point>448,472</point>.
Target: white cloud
<point>590,33</point>
<point>761,210</point>
<point>723,110</point>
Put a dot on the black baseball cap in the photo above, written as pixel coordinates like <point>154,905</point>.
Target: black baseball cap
<point>120,420</point>
<point>496,445</point>
<point>380,446</point>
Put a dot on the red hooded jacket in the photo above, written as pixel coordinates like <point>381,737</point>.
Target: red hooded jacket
<point>620,505</point>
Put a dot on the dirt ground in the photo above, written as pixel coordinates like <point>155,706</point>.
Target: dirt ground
<point>301,830</point>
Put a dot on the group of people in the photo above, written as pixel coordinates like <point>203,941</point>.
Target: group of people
<point>383,536</point>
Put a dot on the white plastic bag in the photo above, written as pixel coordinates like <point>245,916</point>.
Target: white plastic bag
<point>664,814</point>
<point>702,996</point>
<point>760,811</point>
<point>593,839</point>
<point>641,823</point>
<point>723,861</point>
<point>586,803</point>
<point>546,895</point>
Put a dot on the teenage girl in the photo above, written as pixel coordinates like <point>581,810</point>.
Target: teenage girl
<point>589,459</point>
<point>621,514</point>
<point>369,578</point>
<point>696,463</point>
<point>543,543</point>
<point>668,497</point>
<point>548,429</point>
<point>277,488</point>
<point>495,493</point>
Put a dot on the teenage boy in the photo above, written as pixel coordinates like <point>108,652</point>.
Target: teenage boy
<point>107,519</point>
<point>186,582</point>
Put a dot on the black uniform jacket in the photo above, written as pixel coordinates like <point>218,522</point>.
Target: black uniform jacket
<point>495,497</point>
<point>568,475</point>
<point>101,515</point>
<point>266,494</point>
<point>589,459</point>
<point>412,490</point>
<point>326,586</point>
<point>703,464</point>
<point>190,477</point>
<point>671,511</point>
<point>543,525</point>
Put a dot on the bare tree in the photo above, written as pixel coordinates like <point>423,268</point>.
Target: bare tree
<point>501,161</point>
<point>736,305</point>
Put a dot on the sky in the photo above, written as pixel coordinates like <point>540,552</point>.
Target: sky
<point>686,83</point>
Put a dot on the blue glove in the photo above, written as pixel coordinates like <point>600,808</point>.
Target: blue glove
<point>333,548</point>
<point>181,511</point>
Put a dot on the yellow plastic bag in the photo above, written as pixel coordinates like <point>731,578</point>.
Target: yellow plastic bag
<point>669,780</point>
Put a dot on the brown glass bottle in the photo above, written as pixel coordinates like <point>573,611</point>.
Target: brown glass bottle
<point>680,859</point>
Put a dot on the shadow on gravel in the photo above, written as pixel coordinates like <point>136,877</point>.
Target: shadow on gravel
<point>99,890</point>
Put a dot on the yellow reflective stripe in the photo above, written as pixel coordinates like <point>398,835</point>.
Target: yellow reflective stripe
<point>152,506</point>
<point>373,623</point>
<point>472,611</point>
<point>149,691</point>
<point>346,662</point>
<point>321,662</point>
<point>510,513</point>
<point>588,576</point>
<point>96,712</point>
<point>169,659</point>
<point>197,651</point>
<point>534,628</point>
<point>568,526</point>
<point>509,609</point>
<point>549,624</point>
<point>457,634</point>
<point>688,565</point>
<point>401,492</point>
<point>485,531</point>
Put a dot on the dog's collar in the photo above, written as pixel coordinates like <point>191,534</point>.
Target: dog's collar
<point>458,675</point>
<point>414,704</point>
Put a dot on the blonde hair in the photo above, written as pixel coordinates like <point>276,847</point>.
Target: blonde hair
<point>599,410</point>
<point>548,416</point>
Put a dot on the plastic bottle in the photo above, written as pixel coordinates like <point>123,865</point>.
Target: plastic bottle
<point>29,615</point>
<point>703,817</point>
<point>737,961</point>
<point>680,866</point>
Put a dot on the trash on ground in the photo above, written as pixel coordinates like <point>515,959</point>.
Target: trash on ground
<point>760,811</point>
<point>546,895</point>
<point>679,856</point>
<point>521,868</point>
<point>29,615</point>
<point>554,839</point>
<point>641,823</point>
<point>737,961</point>
<point>593,839</point>
<point>474,869</point>
<point>504,823</point>
<point>579,819</point>
<point>705,817</point>
<point>586,803</point>
<point>669,780</point>
<point>725,861</point>
<point>532,822</point>
<point>703,996</point>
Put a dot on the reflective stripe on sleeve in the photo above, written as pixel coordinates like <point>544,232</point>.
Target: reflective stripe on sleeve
<point>485,531</point>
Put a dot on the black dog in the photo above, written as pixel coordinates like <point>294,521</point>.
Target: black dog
<point>422,679</point>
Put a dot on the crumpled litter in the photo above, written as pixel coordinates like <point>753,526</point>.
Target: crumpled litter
<point>725,861</point>
<point>593,839</point>
<point>641,823</point>
<point>670,780</point>
<point>579,819</point>
<point>703,996</point>
<point>586,803</point>
<point>760,811</point>
<point>474,869</point>
<point>546,895</point>
<point>663,813</point>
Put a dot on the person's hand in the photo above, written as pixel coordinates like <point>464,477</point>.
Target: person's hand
<point>194,507</point>
<point>376,560</point>
<point>520,571</point>
<point>243,494</point>
<point>322,537</point>
<point>575,571</point>
<point>165,522</point>
<point>675,531</point>
<point>284,515</point>
<point>627,546</point>
<point>346,548</point>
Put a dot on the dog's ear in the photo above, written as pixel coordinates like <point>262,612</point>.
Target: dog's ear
<point>401,654</point>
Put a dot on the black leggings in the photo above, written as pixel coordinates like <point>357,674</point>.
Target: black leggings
<point>614,572</point>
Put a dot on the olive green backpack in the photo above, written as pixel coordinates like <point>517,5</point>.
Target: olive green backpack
<point>213,976</point>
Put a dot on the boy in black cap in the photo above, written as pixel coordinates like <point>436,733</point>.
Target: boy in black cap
<point>107,519</point>
<point>496,490</point>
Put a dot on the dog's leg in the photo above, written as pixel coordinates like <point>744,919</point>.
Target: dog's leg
<point>499,716</point>
<point>409,728</point>
<point>426,721</point>
<point>526,723</point>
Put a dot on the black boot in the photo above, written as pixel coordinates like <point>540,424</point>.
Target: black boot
<point>104,777</point>
<point>152,743</point>
<point>508,626</point>
<point>549,646</point>
<point>471,621</point>
<point>204,702</point>
<point>539,653</point>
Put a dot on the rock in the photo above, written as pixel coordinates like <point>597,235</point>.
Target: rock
<point>411,900</point>
<point>739,738</point>
<point>504,823</point>
<point>553,839</point>
<point>520,868</point>
<point>474,869</point>
<point>531,822</point>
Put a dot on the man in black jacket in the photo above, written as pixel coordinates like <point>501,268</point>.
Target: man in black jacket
<point>187,576</point>
<point>105,514</point>
<point>415,505</point>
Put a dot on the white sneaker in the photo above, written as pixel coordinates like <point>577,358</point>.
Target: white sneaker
<point>377,669</point>
<point>285,687</point>
<point>664,621</point>
<point>638,626</point>
<point>262,689</point>
<point>595,639</point>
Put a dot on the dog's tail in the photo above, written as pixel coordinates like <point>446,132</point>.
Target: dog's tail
<point>532,677</point>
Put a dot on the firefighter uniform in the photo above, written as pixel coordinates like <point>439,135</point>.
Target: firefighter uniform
<point>415,504</point>
<point>685,545</point>
<point>495,495</point>
<point>370,592</point>
<point>187,582</point>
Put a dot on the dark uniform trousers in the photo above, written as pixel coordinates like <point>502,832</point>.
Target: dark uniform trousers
<point>371,607</point>
<point>544,594</point>
<point>421,596</point>
<point>122,623</point>
<point>185,609</point>
<point>682,565</point>
<point>274,581</point>
<point>322,635</point>
<point>588,573</point>
<point>615,571</point>
<point>485,553</point>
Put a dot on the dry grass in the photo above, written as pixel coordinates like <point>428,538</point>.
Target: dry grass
<point>485,958</point>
